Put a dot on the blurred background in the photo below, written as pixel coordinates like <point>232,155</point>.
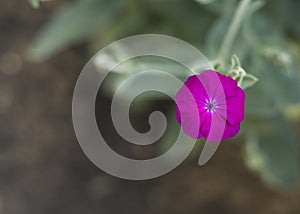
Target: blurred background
<point>42,52</point>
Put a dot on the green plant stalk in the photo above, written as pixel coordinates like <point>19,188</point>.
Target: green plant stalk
<point>232,31</point>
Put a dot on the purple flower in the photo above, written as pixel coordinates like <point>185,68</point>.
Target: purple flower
<point>210,105</point>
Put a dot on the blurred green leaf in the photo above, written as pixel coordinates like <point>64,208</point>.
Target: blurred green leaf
<point>34,3</point>
<point>216,33</point>
<point>218,7</point>
<point>204,1</point>
<point>293,17</point>
<point>274,154</point>
<point>147,63</point>
<point>215,38</point>
<point>280,81</point>
<point>71,24</point>
<point>270,58</point>
<point>259,103</point>
<point>247,29</point>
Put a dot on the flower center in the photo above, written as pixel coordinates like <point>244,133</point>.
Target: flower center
<point>210,106</point>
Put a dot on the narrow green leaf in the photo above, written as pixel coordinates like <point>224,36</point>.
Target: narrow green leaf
<point>248,81</point>
<point>235,62</point>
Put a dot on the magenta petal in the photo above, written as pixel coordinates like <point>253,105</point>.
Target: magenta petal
<point>211,84</point>
<point>197,89</point>
<point>231,131</point>
<point>235,107</point>
<point>217,128</point>
<point>187,113</point>
<point>210,105</point>
<point>190,128</point>
<point>205,123</point>
<point>229,85</point>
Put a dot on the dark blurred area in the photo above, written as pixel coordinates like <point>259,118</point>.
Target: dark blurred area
<point>43,169</point>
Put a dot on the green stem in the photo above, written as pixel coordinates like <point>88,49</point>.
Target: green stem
<point>232,31</point>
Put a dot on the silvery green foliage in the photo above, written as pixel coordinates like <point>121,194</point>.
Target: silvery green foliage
<point>272,151</point>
